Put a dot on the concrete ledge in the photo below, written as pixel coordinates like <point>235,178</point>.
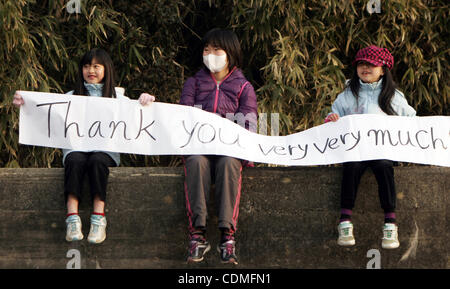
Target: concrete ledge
<point>287,219</point>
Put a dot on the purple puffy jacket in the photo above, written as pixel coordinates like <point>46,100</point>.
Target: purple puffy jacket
<point>233,95</point>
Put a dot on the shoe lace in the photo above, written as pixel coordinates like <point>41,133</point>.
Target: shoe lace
<point>72,224</point>
<point>193,247</point>
<point>196,237</point>
<point>229,249</point>
<point>94,228</point>
<point>228,237</point>
<point>346,231</point>
<point>388,234</point>
<point>73,227</point>
<point>96,221</point>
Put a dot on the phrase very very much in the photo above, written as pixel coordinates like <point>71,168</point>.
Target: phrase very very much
<point>421,139</point>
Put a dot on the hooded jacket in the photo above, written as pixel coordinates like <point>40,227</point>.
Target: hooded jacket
<point>233,95</point>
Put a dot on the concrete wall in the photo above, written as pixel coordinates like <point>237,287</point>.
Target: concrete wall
<point>288,219</point>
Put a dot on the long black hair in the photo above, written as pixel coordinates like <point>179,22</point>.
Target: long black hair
<point>386,94</point>
<point>228,41</point>
<point>101,57</point>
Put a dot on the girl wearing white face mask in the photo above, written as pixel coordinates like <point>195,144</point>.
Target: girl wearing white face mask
<point>221,88</point>
<point>215,58</point>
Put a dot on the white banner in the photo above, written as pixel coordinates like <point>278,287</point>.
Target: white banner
<point>122,125</point>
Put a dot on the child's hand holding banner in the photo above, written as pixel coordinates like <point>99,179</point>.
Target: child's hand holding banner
<point>125,126</point>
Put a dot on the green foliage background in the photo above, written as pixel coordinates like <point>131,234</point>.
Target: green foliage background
<point>297,54</point>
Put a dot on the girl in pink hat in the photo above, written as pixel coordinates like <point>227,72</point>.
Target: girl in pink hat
<point>371,90</point>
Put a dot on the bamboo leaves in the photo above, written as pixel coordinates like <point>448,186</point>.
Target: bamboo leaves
<point>298,54</point>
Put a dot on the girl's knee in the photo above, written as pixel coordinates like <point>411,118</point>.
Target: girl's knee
<point>197,161</point>
<point>226,161</point>
<point>99,159</point>
<point>74,159</point>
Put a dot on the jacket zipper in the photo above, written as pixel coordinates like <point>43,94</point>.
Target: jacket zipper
<point>216,100</point>
<point>216,97</point>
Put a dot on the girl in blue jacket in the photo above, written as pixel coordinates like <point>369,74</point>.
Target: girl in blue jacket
<point>370,90</point>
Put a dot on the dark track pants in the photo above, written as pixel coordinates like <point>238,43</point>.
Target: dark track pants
<point>384,174</point>
<point>95,164</point>
<point>200,172</point>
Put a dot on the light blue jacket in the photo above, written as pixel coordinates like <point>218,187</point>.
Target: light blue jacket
<point>346,104</point>
<point>96,90</point>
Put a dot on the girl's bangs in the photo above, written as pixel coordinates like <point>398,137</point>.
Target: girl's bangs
<point>92,55</point>
<point>215,39</point>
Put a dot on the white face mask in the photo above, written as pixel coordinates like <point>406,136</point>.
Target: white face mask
<point>215,63</point>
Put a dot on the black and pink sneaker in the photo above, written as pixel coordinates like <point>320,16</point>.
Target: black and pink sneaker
<point>227,250</point>
<point>198,247</point>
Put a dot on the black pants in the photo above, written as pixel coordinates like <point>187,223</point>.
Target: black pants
<point>226,173</point>
<point>384,174</point>
<point>95,164</point>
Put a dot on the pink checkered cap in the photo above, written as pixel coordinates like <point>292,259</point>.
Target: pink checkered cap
<point>376,55</point>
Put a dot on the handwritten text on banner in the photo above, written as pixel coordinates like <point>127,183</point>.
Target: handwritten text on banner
<point>122,125</point>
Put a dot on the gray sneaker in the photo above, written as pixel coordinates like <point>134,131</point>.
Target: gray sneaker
<point>227,251</point>
<point>198,247</point>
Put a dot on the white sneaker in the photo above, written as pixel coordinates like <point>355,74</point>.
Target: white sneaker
<point>73,232</point>
<point>97,233</point>
<point>346,234</point>
<point>390,236</point>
